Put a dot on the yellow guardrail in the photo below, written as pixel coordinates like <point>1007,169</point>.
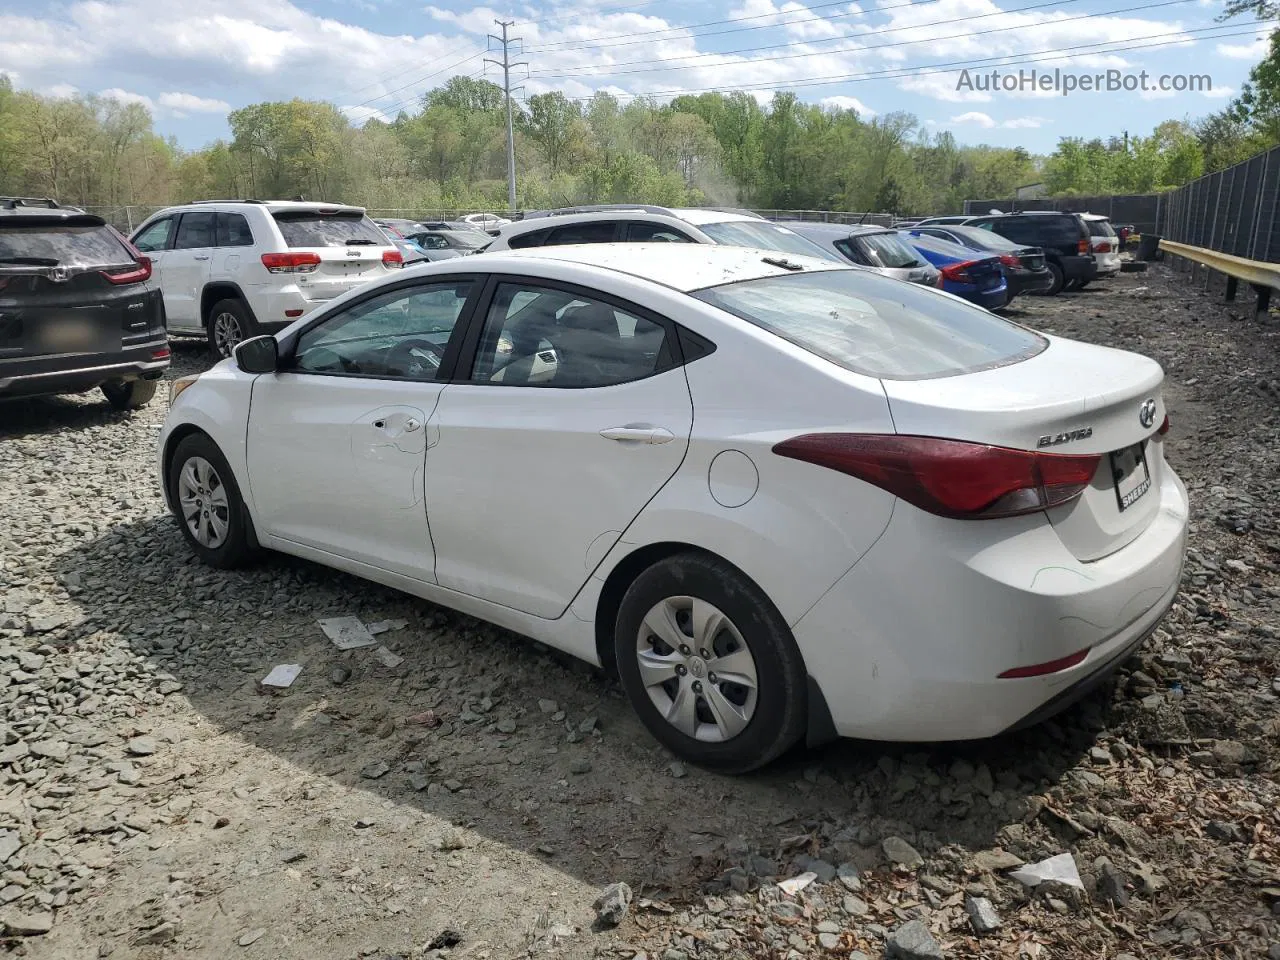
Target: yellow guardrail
<point>1263,277</point>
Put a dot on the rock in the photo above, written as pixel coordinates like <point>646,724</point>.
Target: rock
<point>1227,832</point>
<point>1230,753</point>
<point>996,861</point>
<point>166,932</point>
<point>31,662</point>
<point>129,775</point>
<point>678,770</point>
<point>849,878</point>
<point>902,853</point>
<point>1100,756</point>
<point>374,770</point>
<point>35,924</point>
<point>824,871</point>
<point>292,855</point>
<point>50,749</point>
<point>506,725</point>
<point>912,941</point>
<point>1112,883</point>
<point>982,914</point>
<point>855,906</point>
<point>339,675</point>
<point>579,765</point>
<point>141,746</point>
<point>1193,919</point>
<point>253,936</point>
<point>419,781</point>
<point>548,706</point>
<point>10,843</point>
<point>612,904</point>
<point>828,941</point>
<point>13,753</point>
<point>446,939</point>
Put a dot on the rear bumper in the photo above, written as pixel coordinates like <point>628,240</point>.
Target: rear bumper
<point>41,376</point>
<point>1028,282</point>
<point>910,643</point>
<point>1108,264</point>
<point>1078,268</point>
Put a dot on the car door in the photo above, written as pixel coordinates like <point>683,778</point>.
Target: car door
<point>572,414</point>
<point>186,269</point>
<point>337,440</point>
<point>154,240</point>
<point>232,235</point>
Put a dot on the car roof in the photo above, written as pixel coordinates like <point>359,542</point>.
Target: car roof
<point>44,210</point>
<point>834,229</point>
<point>271,206</point>
<point>675,265</point>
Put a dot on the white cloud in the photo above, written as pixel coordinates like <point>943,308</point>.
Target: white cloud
<point>848,103</point>
<point>190,103</point>
<point>361,115</point>
<point>62,91</point>
<point>1218,92</point>
<point>1243,51</point>
<point>125,96</point>
<point>981,119</point>
<point>1024,123</point>
<point>942,86</point>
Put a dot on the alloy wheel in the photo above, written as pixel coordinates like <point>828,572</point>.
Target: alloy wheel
<point>202,498</point>
<point>226,333</point>
<point>697,669</point>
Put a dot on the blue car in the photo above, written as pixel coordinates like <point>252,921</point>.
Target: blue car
<point>977,277</point>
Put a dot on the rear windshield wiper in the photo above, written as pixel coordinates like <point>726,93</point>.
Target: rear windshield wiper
<point>30,261</point>
<point>361,243</point>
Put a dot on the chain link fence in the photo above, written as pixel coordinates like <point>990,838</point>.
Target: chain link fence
<point>1144,211</point>
<point>1232,211</point>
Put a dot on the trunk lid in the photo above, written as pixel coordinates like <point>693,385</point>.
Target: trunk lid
<point>1032,258</point>
<point>1073,398</point>
<point>986,274</point>
<point>350,247</point>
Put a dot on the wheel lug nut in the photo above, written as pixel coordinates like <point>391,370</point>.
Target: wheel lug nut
<point>705,655</point>
<point>684,649</point>
<point>711,678</point>
<point>697,687</point>
<point>680,670</point>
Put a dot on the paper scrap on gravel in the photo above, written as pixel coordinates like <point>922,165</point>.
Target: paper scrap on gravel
<point>347,633</point>
<point>795,884</point>
<point>387,658</point>
<point>382,626</point>
<point>282,676</point>
<point>1061,868</point>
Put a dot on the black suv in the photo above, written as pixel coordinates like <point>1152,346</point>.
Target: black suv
<point>78,309</point>
<point>1064,238</point>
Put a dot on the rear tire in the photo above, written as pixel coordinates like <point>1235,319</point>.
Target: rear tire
<point>680,621</point>
<point>228,323</point>
<point>1059,279</point>
<point>1081,284</point>
<point>129,394</point>
<point>205,500</point>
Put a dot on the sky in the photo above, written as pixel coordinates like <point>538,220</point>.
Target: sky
<point>191,63</point>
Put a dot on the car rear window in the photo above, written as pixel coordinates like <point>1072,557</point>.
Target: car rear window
<point>1100,228</point>
<point>311,229</point>
<point>764,236</point>
<point>887,250</point>
<point>875,325</point>
<point>60,244</point>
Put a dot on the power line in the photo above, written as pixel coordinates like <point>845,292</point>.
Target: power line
<point>609,68</point>
<point>950,67</point>
<point>413,83</point>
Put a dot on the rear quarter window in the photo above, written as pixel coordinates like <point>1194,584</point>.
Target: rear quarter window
<point>534,238</point>
<point>877,326</point>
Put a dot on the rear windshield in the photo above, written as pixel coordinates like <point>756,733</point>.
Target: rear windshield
<point>985,239</point>
<point>764,236</point>
<point>60,244</point>
<point>877,326</point>
<point>887,250</point>
<point>329,230</point>
<point>1100,228</point>
<point>467,239</point>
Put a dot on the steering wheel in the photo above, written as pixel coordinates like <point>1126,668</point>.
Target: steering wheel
<point>415,358</point>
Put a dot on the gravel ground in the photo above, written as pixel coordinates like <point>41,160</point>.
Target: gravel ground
<point>475,799</point>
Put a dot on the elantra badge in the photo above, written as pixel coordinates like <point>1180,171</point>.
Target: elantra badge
<point>1083,433</point>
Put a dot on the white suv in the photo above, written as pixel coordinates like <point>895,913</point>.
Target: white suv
<point>1104,243</point>
<point>229,270</point>
<point>649,224</point>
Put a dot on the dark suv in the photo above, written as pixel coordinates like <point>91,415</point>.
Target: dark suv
<point>78,309</point>
<point>1064,237</point>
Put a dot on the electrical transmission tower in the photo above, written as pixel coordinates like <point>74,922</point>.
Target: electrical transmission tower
<point>506,66</point>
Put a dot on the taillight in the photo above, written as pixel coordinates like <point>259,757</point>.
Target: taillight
<point>392,258</point>
<point>1103,247</point>
<point>1082,246</point>
<point>1043,669</point>
<point>291,262</point>
<point>138,273</point>
<point>1164,427</point>
<point>1009,260</point>
<point>950,478</point>
<point>958,272</point>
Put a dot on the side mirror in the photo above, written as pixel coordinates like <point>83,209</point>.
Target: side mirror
<point>258,355</point>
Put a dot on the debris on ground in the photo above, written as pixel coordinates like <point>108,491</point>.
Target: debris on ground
<point>281,677</point>
<point>1058,869</point>
<point>613,904</point>
<point>347,633</point>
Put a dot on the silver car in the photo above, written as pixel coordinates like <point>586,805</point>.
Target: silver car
<point>874,248</point>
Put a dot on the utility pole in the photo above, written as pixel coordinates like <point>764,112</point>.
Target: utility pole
<point>506,66</point>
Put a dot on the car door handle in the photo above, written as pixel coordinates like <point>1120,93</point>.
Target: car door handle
<point>200,258</point>
<point>638,434</point>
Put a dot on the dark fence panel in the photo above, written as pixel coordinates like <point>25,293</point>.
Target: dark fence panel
<point>1142,210</point>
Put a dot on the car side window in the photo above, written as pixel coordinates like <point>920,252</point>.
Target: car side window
<point>655,233</point>
<point>534,238</point>
<point>433,241</point>
<point>233,231</point>
<point>195,230</point>
<point>583,233</point>
<point>537,336</point>
<point>401,334</point>
<point>154,237</point>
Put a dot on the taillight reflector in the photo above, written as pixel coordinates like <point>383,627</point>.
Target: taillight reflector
<point>1041,669</point>
<point>160,354</point>
<point>138,273</point>
<point>1164,426</point>
<point>293,313</point>
<point>950,478</point>
<point>290,262</point>
<point>392,258</point>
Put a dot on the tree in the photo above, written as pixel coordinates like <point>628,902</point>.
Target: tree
<point>554,122</point>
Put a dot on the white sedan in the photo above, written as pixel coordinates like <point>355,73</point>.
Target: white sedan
<point>783,498</point>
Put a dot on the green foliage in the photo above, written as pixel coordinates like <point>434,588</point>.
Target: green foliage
<point>1175,153</point>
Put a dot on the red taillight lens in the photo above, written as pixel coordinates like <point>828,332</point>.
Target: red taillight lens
<point>950,478</point>
<point>392,258</point>
<point>291,262</point>
<point>1009,260</point>
<point>138,273</point>
<point>1164,427</point>
<point>1082,246</point>
<point>958,272</point>
<point>1103,247</point>
<point>160,354</point>
<point>1041,669</point>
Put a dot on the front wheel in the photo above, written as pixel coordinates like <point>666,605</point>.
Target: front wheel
<point>129,394</point>
<point>1059,279</point>
<point>229,323</point>
<point>207,504</point>
<point>710,665</point>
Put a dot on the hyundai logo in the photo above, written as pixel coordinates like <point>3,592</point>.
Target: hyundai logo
<point>1147,414</point>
